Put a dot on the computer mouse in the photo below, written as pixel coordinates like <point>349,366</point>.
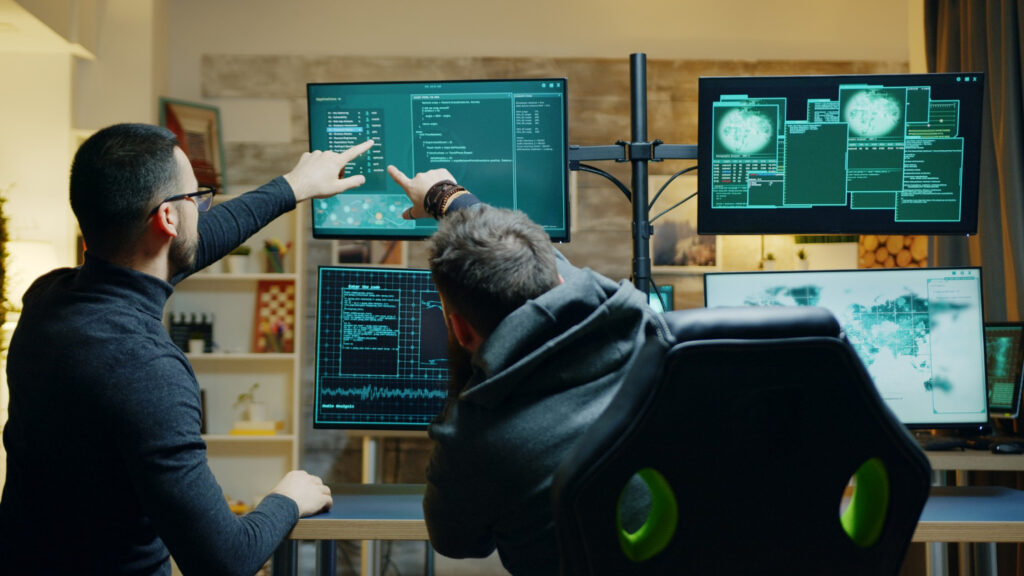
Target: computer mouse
<point>1008,448</point>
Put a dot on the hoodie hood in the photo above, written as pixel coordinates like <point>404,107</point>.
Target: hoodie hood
<point>586,317</point>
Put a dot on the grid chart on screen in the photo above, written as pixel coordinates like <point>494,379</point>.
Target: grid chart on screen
<point>381,356</point>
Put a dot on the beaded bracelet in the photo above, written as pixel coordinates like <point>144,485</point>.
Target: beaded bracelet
<point>438,195</point>
<point>432,199</point>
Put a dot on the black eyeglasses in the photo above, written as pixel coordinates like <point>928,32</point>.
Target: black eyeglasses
<point>202,197</point>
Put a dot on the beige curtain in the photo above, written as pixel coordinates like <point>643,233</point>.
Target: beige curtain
<point>985,36</point>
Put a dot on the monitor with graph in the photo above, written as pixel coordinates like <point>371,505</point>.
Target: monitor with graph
<point>381,349</point>
<point>1004,354</point>
<point>853,154</point>
<point>918,331</point>
<point>505,140</point>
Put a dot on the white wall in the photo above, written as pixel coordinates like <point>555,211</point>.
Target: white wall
<point>129,72</point>
<point>670,29</point>
<point>35,148</point>
<point>150,48</point>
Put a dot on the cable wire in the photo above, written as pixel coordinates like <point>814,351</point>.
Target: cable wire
<point>599,172</point>
<point>665,185</point>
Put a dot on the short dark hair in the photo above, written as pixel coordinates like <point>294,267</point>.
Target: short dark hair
<point>488,261</point>
<point>116,178</point>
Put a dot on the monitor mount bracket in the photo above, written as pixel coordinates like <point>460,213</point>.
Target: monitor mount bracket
<point>638,151</point>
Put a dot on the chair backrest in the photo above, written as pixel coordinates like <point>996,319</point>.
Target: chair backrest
<point>747,429</point>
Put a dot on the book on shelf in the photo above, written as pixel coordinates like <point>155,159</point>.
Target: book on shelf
<point>256,427</point>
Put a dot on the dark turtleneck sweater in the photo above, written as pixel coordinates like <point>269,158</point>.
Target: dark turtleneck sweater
<point>106,469</point>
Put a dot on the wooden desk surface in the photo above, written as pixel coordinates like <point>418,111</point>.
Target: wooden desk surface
<point>974,460</point>
<point>368,512</point>
<point>395,512</point>
<point>972,514</point>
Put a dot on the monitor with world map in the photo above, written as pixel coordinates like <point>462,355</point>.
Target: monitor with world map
<point>854,154</point>
<point>919,331</point>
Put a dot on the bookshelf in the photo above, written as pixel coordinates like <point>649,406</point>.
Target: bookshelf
<point>249,466</point>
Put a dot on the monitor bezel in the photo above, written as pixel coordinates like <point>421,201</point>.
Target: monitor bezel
<point>564,236</point>
<point>973,427</point>
<point>412,428</point>
<point>814,221</point>
<point>1019,384</point>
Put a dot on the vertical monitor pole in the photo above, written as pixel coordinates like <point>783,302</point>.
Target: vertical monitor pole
<point>640,154</point>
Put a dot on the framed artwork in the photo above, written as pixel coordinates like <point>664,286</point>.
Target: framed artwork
<point>197,127</point>
<point>675,246</point>
<point>274,323</point>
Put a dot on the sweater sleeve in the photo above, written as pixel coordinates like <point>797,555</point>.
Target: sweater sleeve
<point>165,456</point>
<point>230,223</point>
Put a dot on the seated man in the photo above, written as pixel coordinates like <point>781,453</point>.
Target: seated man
<point>537,350</point>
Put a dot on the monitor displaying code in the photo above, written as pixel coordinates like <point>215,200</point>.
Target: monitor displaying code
<point>839,154</point>
<point>504,140</point>
<point>918,331</point>
<point>1004,352</point>
<point>381,351</point>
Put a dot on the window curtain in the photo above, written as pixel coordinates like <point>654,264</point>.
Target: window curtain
<point>985,36</point>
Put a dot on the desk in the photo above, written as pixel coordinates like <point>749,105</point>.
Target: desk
<point>972,514</point>
<point>360,512</point>
<point>980,460</point>
<point>368,512</point>
<point>980,558</point>
<point>395,512</point>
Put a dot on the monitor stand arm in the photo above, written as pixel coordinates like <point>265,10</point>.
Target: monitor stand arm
<point>639,152</point>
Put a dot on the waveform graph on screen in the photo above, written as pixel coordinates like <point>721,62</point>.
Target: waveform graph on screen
<point>381,349</point>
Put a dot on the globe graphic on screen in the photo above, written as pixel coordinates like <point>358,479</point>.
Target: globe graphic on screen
<point>872,114</point>
<point>745,131</point>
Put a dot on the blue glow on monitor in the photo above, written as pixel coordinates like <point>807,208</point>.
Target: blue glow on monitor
<point>381,349</point>
<point>505,140</point>
<point>919,331</point>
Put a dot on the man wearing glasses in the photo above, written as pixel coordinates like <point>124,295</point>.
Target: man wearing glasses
<point>106,469</point>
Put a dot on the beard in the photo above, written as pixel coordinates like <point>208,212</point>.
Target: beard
<point>460,368</point>
<point>182,254</point>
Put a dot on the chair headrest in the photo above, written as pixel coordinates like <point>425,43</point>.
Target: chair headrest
<point>751,322</point>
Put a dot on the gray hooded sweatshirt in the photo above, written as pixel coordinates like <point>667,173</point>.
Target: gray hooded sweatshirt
<point>540,379</point>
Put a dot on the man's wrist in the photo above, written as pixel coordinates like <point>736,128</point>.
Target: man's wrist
<point>438,196</point>
<point>447,202</point>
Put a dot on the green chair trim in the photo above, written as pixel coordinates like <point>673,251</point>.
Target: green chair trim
<point>660,527</point>
<point>865,516</point>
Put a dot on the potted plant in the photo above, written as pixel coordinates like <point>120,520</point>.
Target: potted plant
<point>801,260</point>
<point>3,262</point>
<point>238,260</point>
<point>251,409</point>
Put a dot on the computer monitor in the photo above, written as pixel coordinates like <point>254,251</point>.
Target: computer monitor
<point>1004,361</point>
<point>381,349</point>
<point>662,298</point>
<point>857,154</point>
<point>918,331</point>
<point>505,140</point>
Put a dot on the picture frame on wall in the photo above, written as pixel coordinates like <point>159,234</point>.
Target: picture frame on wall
<point>676,248</point>
<point>197,127</point>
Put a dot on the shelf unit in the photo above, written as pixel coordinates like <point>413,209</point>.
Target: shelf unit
<point>248,467</point>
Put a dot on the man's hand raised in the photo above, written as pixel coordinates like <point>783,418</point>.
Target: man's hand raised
<point>321,174</point>
<point>416,188</point>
